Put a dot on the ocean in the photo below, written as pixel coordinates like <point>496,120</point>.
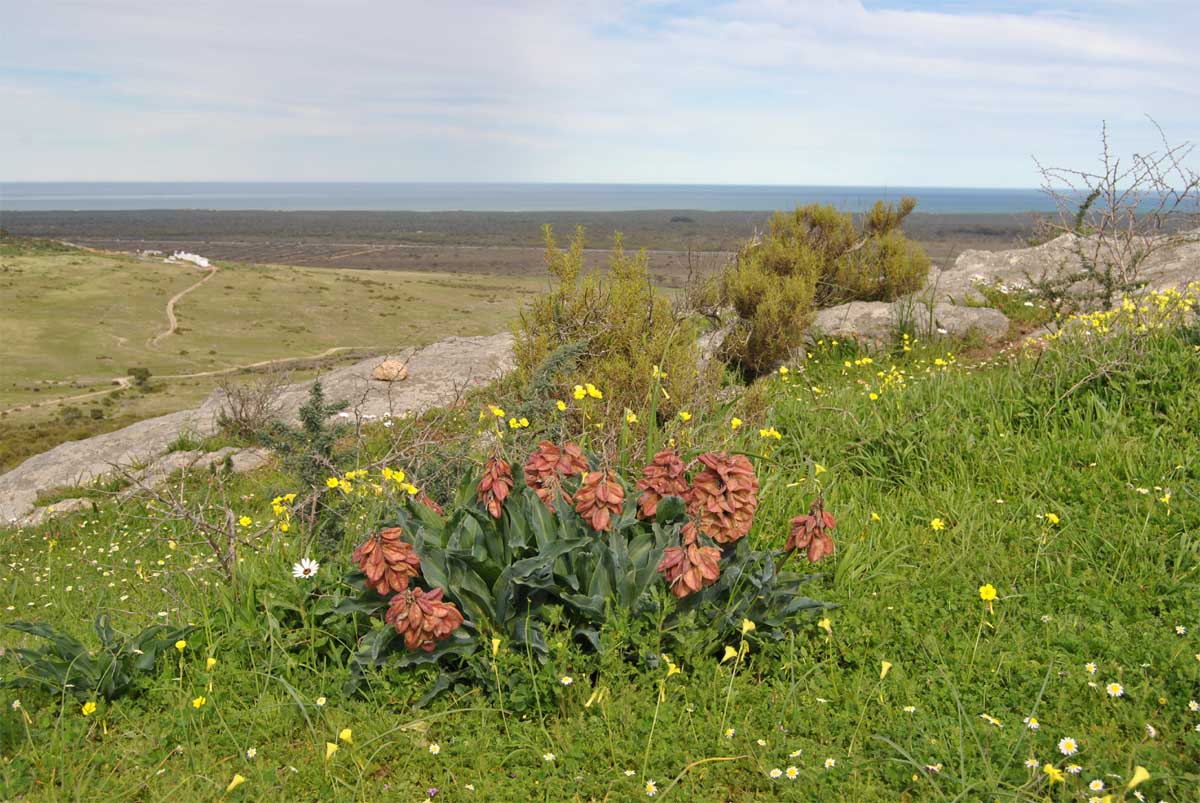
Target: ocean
<point>426,197</point>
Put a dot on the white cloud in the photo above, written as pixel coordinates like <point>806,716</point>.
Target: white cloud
<point>816,91</point>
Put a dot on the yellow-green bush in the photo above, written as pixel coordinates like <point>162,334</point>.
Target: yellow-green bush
<point>628,329</point>
<point>814,257</point>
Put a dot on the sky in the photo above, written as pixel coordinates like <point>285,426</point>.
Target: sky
<point>819,92</point>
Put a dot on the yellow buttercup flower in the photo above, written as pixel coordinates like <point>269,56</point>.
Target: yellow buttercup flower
<point>630,416</point>
<point>579,392</point>
<point>198,703</point>
<point>245,521</point>
<point>735,422</point>
<point>88,708</point>
<point>181,645</point>
<point>937,524</point>
<point>1054,774</point>
<point>593,392</point>
<point>331,482</point>
<point>560,404</point>
<point>987,593</point>
<point>685,416</point>
<point>1052,518</point>
<point>826,625</point>
<point>770,432</point>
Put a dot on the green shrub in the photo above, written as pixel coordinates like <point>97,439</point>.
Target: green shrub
<point>620,326</point>
<point>815,257</point>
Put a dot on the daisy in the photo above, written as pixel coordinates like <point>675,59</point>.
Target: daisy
<point>320,702</point>
<point>729,733</point>
<point>1032,723</point>
<point>548,756</point>
<point>1193,705</point>
<point>435,748</point>
<point>792,773</point>
<point>566,680</point>
<point>630,773</point>
<point>1115,690</point>
<point>305,568</point>
<point>761,742</point>
<point>1068,746</point>
<point>910,709</point>
<point>1180,630</point>
<point>1031,763</point>
<point>1096,785</point>
<point>251,752</point>
<point>830,763</point>
<point>795,754</point>
<point>1074,769</point>
<point>651,788</point>
<point>776,773</point>
<point>1090,667</point>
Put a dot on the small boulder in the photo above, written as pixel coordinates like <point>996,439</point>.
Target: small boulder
<point>390,371</point>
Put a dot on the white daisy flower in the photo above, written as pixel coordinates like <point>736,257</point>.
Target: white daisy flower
<point>776,773</point>
<point>1115,690</point>
<point>305,568</point>
<point>1068,746</point>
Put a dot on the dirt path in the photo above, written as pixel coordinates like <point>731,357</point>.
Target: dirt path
<point>172,323</point>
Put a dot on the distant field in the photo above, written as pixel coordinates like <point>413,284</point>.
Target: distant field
<point>495,243</point>
<point>72,320</point>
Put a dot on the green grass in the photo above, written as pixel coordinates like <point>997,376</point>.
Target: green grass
<point>72,320</point>
<point>989,449</point>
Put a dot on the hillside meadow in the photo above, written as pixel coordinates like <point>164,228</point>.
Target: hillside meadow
<point>1010,613</point>
<point>73,320</point>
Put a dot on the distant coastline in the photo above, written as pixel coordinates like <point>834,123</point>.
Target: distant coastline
<point>459,197</point>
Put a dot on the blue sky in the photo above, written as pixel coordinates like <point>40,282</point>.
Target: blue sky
<point>919,93</point>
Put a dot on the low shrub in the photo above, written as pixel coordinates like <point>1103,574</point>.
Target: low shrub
<point>815,257</point>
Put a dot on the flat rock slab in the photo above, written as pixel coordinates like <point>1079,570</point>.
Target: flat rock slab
<point>878,321</point>
<point>437,374</point>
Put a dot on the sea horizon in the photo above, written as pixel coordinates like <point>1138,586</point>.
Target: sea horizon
<point>16,196</point>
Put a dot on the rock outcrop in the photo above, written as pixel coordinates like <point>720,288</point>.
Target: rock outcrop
<point>438,373</point>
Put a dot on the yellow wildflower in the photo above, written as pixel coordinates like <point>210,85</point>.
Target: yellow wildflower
<point>560,404</point>
<point>630,416</point>
<point>237,781</point>
<point>937,524</point>
<point>331,482</point>
<point>593,392</point>
<point>330,749</point>
<point>1052,518</point>
<point>346,735</point>
<point>735,422</point>
<point>88,708</point>
<point>181,645</point>
<point>685,416</point>
<point>579,392</point>
<point>198,702</point>
<point>245,521</point>
<point>210,663</point>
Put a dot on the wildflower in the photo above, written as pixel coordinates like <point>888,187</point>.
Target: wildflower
<point>884,668</point>
<point>245,521</point>
<point>724,496</point>
<point>937,524</point>
<point>579,392</point>
<point>1096,785</point>
<point>689,567</point>
<point>251,752</point>
<point>761,742</point>
<point>566,680</point>
<point>305,568</point>
<point>1180,630</point>
<point>830,763</point>
<point>651,788</point>
<point>875,516</point>
<point>320,702</point>
<point>88,708</point>
<point>630,773</point>
<point>198,702</point>
<point>818,469</point>
<point>1115,690</point>
<point>991,720</point>
<point>1031,763</point>
<point>496,411</point>
<point>237,781</point>
<point>795,754</point>
<point>776,773</point>
<point>987,593</point>
<point>909,709</point>
<point>422,618</point>
<point>825,625</point>
<point>811,532</point>
<point>685,416</point>
<point>592,391</point>
<point>1052,518</point>
<point>331,482</point>
<point>1054,774</point>
<point>729,732</point>
<point>770,432</point>
<point>735,422</point>
<point>1193,705</point>
<point>1090,668</point>
<point>599,498</point>
<point>1151,731</point>
<point>1074,769</point>
<point>1139,776</point>
<point>1068,746</point>
<point>495,485</point>
<point>1032,723</point>
<point>346,735</point>
<point>560,404</point>
<point>747,627</point>
<point>435,748</point>
<point>792,773</point>
<point>330,749</point>
<point>388,562</point>
<point>662,478</point>
<point>548,465</point>
<point>730,654</point>
<point>181,645</point>
<point>548,757</point>
<point>210,663</point>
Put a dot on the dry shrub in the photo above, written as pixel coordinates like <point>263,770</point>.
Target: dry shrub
<point>249,408</point>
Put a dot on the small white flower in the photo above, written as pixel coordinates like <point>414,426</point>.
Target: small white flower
<point>630,773</point>
<point>320,702</point>
<point>566,680</point>
<point>761,742</point>
<point>1096,785</point>
<point>1032,723</point>
<point>305,568</point>
<point>1193,705</point>
<point>1031,762</point>
<point>1090,668</point>
<point>1115,690</point>
<point>1151,731</point>
<point>16,705</point>
<point>251,752</point>
<point>795,754</point>
<point>435,748</point>
<point>548,756</point>
<point>1074,769</point>
<point>910,709</point>
<point>830,763</point>
<point>776,773</point>
<point>1180,630</point>
<point>792,773</point>
<point>651,788</point>
<point>1068,746</point>
<point>729,732</point>
<point>470,787</point>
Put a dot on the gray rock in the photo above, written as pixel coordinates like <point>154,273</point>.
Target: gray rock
<point>878,321</point>
<point>59,508</point>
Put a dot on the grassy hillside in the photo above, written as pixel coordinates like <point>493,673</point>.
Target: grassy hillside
<point>1072,491</point>
<point>72,320</point>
